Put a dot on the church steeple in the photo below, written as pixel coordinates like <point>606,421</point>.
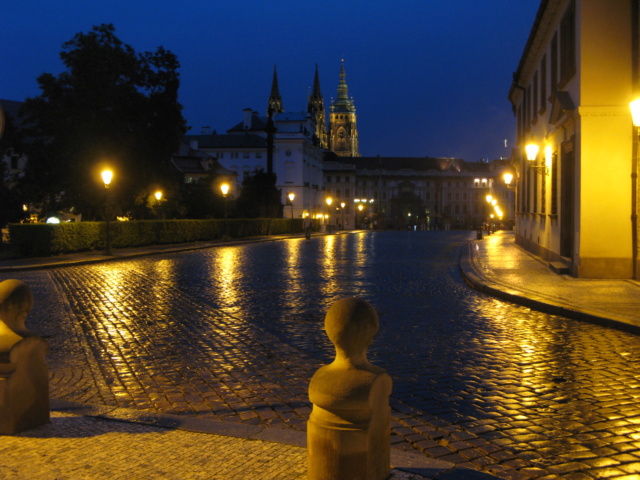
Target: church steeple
<point>343,132</point>
<point>275,100</point>
<point>315,107</point>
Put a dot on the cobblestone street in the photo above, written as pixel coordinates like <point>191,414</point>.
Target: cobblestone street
<point>235,333</point>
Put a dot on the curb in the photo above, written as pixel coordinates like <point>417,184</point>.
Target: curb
<point>536,301</point>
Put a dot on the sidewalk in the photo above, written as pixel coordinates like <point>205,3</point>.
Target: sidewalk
<point>97,442</point>
<point>496,265</point>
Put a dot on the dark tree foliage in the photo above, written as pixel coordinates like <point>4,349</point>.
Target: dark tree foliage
<point>112,106</point>
<point>11,144</point>
<point>259,197</point>
<point>202,199</point>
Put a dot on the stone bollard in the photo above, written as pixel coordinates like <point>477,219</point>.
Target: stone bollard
<point>24,376</point>
<point>348,432</point>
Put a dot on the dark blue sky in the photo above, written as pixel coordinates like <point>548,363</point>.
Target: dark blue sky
<point>428,77</point>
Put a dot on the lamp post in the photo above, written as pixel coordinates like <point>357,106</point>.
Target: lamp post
<point>329,202</point>
<point>224,188</point>
<point>342,205</point>
<point>158,197</point>
<point>291,197</point>
<point>107,176</point>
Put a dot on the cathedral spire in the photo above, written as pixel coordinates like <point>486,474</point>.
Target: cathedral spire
<point>343,132</point>
<point>275,100</point>
<point>315,107</point>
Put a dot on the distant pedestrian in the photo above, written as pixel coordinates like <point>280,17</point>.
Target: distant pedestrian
<point>307,225</point>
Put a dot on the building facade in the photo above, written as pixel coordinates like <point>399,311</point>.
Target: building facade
<point>575,160</point>
<point>422,193</point>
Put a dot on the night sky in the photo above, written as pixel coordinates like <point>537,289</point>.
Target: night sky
<point>428,77</point>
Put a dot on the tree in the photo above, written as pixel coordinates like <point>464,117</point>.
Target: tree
<point>259,196</point>
<point>111,106</point>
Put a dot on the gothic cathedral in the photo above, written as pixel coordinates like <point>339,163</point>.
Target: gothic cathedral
<point>342,135</point>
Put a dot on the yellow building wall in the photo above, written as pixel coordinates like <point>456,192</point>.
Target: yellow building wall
<point>605,140</point>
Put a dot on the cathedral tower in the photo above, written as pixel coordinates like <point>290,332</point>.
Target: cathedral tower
<point>343,133</point>
<point>315,107</point>
<point>275,100</point>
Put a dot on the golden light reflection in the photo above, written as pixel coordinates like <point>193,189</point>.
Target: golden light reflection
<point>331,286</point>
<point>226,272</point>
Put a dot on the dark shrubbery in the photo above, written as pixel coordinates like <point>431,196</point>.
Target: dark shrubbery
<point>41,239</point>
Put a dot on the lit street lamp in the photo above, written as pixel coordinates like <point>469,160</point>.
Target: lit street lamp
<point>291,197</point>
<point>327,217</point>
<point>224,188</point>
<point>107,176</point>
<point>342,205</point>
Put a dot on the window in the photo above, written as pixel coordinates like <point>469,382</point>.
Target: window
<point>554,184</point>
<point>245,154</point>
<point>534,110</point>
<point>258,154</point>
<point>476,182</point>
<point>328,178</point>
<point>553,80</point>
<point>543,84</point>
<point>338,179</point>
<point>568,44</point>
<point>347,192</point>
<point>347,179</point>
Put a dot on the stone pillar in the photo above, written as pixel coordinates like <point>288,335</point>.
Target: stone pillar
<point>24,376</point>
<point>348,432</point>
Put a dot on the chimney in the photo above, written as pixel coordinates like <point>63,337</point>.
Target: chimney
<point>248,113</point>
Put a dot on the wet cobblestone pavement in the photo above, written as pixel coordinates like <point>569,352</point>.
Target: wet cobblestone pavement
<point>235,333</point>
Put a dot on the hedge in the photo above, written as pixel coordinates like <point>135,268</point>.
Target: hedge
<point>42,239</point>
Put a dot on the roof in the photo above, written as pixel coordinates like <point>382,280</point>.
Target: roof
<point>249,140</point>
<point>258,123</point>
<point>442,164</point>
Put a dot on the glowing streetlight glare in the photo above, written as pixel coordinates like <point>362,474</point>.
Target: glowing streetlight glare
<point>329,201</point>
<point>532,151</point>
<point>224,188</point>
<point>107,176</point>
<point>489,198</point>
<point>158,195</point>
<point>635,112</point>
<point>360,207</point>
<point>508,177</point>
<point>291,196</point>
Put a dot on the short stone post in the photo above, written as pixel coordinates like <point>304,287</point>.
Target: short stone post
<point>348,432</point>
<point>24,376</point>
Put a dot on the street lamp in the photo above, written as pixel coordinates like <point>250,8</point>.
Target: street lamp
<point>224,188</point>
<point>329,201</point>
<point>291,197</point>
<point>107,176</point>
<point>342,205</point>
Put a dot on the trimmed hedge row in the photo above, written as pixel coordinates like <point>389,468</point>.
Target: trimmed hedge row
<point>42,239</point>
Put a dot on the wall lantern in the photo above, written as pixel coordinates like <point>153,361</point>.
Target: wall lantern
<point>532,149</point>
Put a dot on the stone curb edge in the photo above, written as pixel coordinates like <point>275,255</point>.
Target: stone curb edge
<point>536,301</point>
<point>177,249</point>
<point>406,461</point>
